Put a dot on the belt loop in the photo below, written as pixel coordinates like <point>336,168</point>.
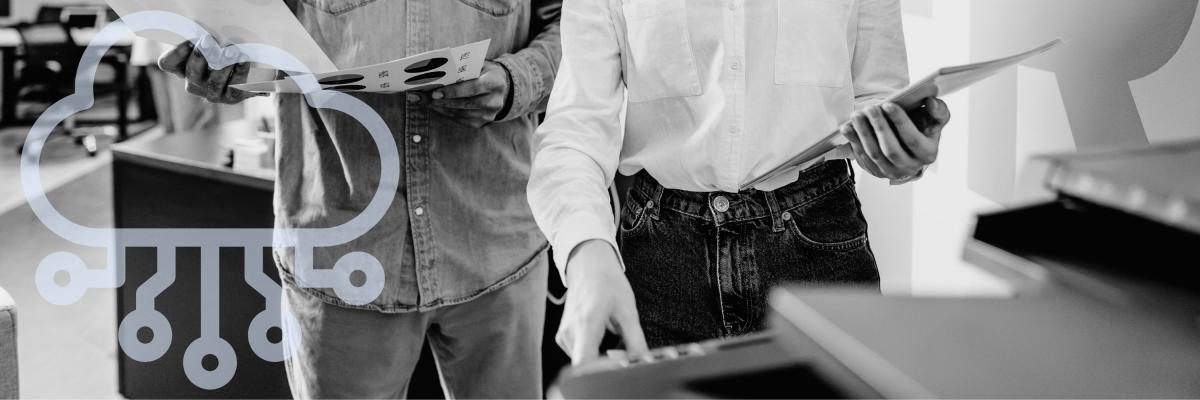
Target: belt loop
<point>773,208</point>
<point>850,167</point>
<point>655,200</point>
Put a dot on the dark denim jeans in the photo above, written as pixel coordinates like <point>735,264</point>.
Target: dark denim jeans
<point>701,264</point>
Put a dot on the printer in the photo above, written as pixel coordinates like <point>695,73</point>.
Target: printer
<point>1107,305</point>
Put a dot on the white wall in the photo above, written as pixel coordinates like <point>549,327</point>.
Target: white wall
<point>1126,78</point>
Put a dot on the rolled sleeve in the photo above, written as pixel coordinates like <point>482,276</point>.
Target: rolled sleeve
<point>532,71</point>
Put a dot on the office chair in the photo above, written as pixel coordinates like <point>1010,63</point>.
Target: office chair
<point>50,58</point>
<point>47,14</point>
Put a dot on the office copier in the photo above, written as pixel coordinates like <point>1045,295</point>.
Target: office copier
<point>1106,305</point>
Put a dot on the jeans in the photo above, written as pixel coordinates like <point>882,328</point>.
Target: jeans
<point>701,264</point>
<point>489,347</point>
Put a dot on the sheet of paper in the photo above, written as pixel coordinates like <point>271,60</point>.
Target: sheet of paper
<point>237,22</point>
<point>423,71</point>
<point>941,83</point>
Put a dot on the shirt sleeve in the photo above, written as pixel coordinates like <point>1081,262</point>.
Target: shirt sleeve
<point>880,65</point>
<point>532,69</point>
<point>577,149</point>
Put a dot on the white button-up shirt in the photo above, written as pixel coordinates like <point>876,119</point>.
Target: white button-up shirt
<point>715,93</point>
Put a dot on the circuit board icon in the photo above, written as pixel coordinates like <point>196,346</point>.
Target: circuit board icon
<point>302,241</point>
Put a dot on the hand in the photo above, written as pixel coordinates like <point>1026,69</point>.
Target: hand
<point>599,296</point>
<point>890,145</point>
<point>188,62</point>
<point>474,103</point>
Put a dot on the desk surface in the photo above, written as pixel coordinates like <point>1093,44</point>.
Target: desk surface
<point>200,153</point>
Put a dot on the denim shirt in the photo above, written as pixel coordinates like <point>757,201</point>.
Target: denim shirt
<point>459,226</point>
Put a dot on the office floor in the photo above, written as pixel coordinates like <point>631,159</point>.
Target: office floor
<point>64,351</point>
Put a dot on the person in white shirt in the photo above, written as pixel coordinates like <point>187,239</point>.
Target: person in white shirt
<point>695,98</point>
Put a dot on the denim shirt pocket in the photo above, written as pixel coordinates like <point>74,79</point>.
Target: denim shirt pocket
<point>337,7</point>
<point>811,46</point>
<point>495,8</point>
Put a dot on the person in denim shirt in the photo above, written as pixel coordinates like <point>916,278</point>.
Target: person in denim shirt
<point>695,98</point>
<point>465,264</point>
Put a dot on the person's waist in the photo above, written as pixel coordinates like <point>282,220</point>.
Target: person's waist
<point>811,184</point>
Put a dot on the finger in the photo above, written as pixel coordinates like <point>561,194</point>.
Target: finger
<point>474,118</point>
<point>938,110</point>
<point>219,81</point>
<point>173,62</point>
<point>888,143</point>
<point>586,344</point>
<point>197,70</point>
<point>232,95</point>
<point>940,113</point>
<point>460,90</point>
<point>196,90</point>
<point>631,331</point>
<point>563,339</point>
<point>870,144</point>
<point>920,147</point>
<point>418,98</point>
<point>859,155</point>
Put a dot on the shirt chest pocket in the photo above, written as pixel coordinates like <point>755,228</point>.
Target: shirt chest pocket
<point>660,63</point>
<point>811,47</point>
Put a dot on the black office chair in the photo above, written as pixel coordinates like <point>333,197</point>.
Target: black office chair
<point>47,14</point>
<point>49,59</point>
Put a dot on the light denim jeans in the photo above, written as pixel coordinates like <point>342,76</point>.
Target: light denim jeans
<point>489,347</point>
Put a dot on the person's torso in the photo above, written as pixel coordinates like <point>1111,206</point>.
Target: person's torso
<point>722,91</point>
<point>459,224</point>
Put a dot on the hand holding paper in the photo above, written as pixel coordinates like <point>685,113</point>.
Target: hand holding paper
<point>889,144</point>
<point>941,83</point>
<point>187,61</point>
<point>474,103</point>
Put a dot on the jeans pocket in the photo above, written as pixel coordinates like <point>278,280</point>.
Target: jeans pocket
<point>831,222</point>
<point>495,8</point>
<point>812,48</point>
<point>337,7</point>
<point>661,63</point>
<point>633,219</point>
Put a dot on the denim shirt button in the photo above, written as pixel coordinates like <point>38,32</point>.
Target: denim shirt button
<point>419,211</point>
<point>721,204</point>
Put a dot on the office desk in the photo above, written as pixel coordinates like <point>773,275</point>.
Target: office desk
<point>180,181</point>
<point>10,41</point>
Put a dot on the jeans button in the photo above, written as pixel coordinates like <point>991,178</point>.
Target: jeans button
<point>787,216</point>
<point>721,204</point>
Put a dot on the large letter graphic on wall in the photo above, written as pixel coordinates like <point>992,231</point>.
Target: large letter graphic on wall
<point>1111,42</point>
